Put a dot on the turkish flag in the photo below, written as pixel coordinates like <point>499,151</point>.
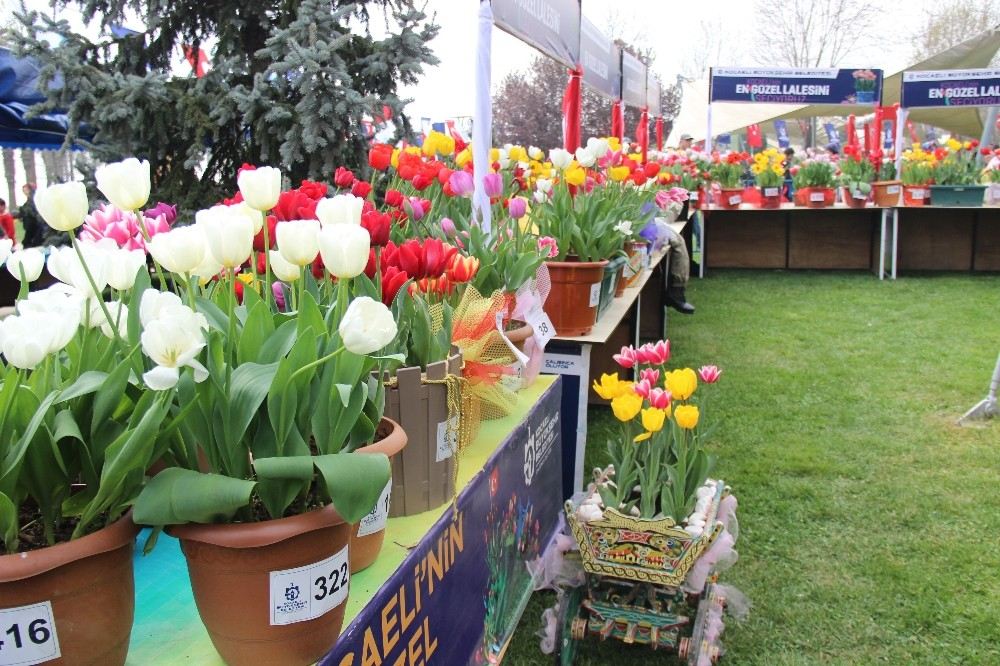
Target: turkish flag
<point>571,111</point>
<point>617,119</point>
<point>852,132</point>
<point>197,64</point>
<point>642,133</point>
<point>754,138</point>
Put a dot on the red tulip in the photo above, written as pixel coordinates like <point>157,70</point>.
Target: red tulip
<point>343,178</point>
<point>378,225</point>
<point>659,398</point>
<point>421,182</point>
<point>652,169</point>
<point>409,259</point>
<point>258,240</point>
<point>380,156</point>
<point>393,198</point>
<point>392,280</point>
<point>361,189</point>
<point>313,189</point>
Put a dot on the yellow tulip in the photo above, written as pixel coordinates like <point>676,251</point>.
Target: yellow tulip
<point>614,144</point>
<point>619,173</point>
<point>395,158</point>
<point>653,418</point>
<point>610,386</point>
<point>681,383</point>
<point>626,406</point>
<point>464,157</point>
<point>494,155</point>
<point>575,174</point>
<point>954,144</point>
<point>686,416</point>
<point>517,154</point>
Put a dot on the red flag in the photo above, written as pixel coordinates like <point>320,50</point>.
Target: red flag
<point>868,137</point>
<point>852,132</point>
<point>659,133</point>
<point>913,131</point>
<point>754,138</point>
<point>876,138</point>
<point>617,120</point>
<point>642,132</point>
<point>571,111</point>
<point>197,64</point>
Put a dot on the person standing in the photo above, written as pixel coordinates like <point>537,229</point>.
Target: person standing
<point>7,223</point>
<point>679,271</point>
<point>31,221</point>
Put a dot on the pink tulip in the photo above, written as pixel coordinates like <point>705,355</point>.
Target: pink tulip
<point>627,358</point>
<point>643,388</point>
<point>709,373</point>
<point>448,227</point>
<point>279,295</point>
<point>493,185</point>
<point>654,353</point>
<point>651,375</point>
<point>553,247</point>
<point>123,228</point>
<point>659,398</point>
<point>517,207</point>
<point>461,183</point>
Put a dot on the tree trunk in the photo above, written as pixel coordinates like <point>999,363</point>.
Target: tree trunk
<point>8,171</point>
<point>28,160</point>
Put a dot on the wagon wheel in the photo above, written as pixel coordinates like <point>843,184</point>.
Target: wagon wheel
<point>568,627</point>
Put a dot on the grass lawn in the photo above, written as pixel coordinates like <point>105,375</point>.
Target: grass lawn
<point>870,523</point>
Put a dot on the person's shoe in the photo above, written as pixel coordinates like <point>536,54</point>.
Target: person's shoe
<point>676,299</point>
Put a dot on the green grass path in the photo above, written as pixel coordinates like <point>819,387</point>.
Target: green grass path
<point>870,523</point>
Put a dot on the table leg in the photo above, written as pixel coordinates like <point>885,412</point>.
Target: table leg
<point>881,245</point>
<point>572,361</point>
<point>895,240</point>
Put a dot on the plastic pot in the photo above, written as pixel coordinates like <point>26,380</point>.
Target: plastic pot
<point>368,535</point>
<point>819,197</point>
<point>730,198</point>
<point>970,196</point>
<point>916,195</point>
<point>853,199</point>
<point>574,296</point>
<point>886,193</point>
<point>770,197</point>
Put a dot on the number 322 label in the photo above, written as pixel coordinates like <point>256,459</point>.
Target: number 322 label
<point>308,592</point>
<point>28,635</point>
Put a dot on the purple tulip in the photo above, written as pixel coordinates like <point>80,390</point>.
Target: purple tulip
<point>279,295</point>
<point>517,207</point>
<point>414,208</point>
<point>493,184</point>
<point>168,211</point>
<point>448,227</point>
<point>461,183</point>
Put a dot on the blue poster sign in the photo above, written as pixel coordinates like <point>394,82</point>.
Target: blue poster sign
<point>724,139</point>
<point>457,596</point>
<point>781,129</point>
<point>795,86</point>
<point>888,133</point>
<point>601,60</point>
<point>954,87</point>
<point>551,26</point>
<point>633,80</point>
<point>832,135</point>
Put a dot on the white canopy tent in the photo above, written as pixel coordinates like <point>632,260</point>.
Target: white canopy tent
<point>966,121</point>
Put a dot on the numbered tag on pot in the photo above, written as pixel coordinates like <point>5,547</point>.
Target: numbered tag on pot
<point>917,194</point>
<point>770,191</point>
<point>892,189</point>
<point>595,294</point>
<point>375,521</point>
<point>858,194</point>
<point>447,439</point>
<point>816,196</point>
<point>542,326</point>
<point>735,200</point>
<point>311,591</point>
<point>693,195</point>
<point>28,635</point>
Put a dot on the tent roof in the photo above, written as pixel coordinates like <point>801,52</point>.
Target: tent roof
<point>968,121</point>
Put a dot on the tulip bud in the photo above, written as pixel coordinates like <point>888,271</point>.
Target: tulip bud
<point>26,264</point>
<point>179,250</point>
<point>517,207</point>
<point>367,326</point>
<point>344,249</point>
<point>228,234</point>
<point>260,187</point>
<point>298,241</point>
<point>283,269</point>
<point>493,185</point>
<point>63,206</point>
<point>341,209</point>
<point>125,183</point>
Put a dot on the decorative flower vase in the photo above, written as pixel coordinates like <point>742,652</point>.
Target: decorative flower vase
<point>886,193</point>
<point>89,589</point>
<point>916,195</point>
<point>367,535</point>
<point>233,568</point>
<point>730,198</point>
<point>770,197</point>
<point>575,295</point>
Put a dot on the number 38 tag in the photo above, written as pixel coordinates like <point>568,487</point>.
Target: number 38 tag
<point>308,592</point>
<point>28,635</point>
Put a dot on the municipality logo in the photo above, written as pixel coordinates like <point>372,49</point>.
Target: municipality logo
<point>292,592</point>
<point>529,458</point>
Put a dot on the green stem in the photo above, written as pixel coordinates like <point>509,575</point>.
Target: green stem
<point>268,292</point>
<point>97,293</point>
<point>319,361</point>
<point>141,219</point>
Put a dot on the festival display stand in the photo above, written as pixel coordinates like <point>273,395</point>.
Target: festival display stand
<point>449,585</point>
<point>946,238</point>
<point>835,237</point>
<point>631,318</point>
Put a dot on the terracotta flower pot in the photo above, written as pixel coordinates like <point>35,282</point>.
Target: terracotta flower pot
<point>886,193</point>
<point>423,473</point>
<point>730,198</point>
<point>620,281</point>
<point>575,295</point>
<point>853,199</point>
<point>518,333</point>
<point>637,252</point>
<point>89,584</point>
<point>696,198</point>
<point>232,568</point>
<point>820,197</point>
<point>368,535</point>
<point>770,197</point>
<point>916,195</point>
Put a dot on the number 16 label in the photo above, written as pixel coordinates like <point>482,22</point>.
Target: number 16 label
<point>28,635</point>
<point>308,592</point>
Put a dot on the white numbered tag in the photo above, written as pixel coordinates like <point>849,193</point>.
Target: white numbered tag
<point>693,195</point>
<point>595,294</point>
<point>735,200</point>
<point>308,592</point>
<point>816,196</point>
<point>375,521</point>
<point>917,194</point>
<point>892,189</point>
<point>770,191</point>
<point>859,195</point>
<point>28,635</point>
<point>542,326</point>
<point>447,439</point>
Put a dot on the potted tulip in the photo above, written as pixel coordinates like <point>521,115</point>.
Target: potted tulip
<point>917,174</point>
<point>886,188</point>
<point>991,175</point>
<point>768,169</point>
<point>957,174</point>
<point>273,405</point>
<point>856,175</point>
<point>814,181</point>
<point>727,172</point>
<point>77,430</point>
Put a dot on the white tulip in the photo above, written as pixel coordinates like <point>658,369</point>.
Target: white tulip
<point>283,269</point>
<point>503,158</point>
<point>560,158</point>
<point>624,227</point>
<point>367,326</point>
<point>26,340</point>
<point>535,153</point>
<point>155,304</point>
<point>298,241</point>
<point>543,185</point>
<point>255,216</point>
<point>62,206</point>
<point>60,307</point>
<point>599,147</point>
<point>180,250</point>
<point>125,183</point>
<point>539,197</point>
<point>585,157</point>
<point>260,187</point>
<point>65,265</point>
<point>123,267</point>
<point>228,234</point>
<point>119,315</point>
<point>345,249</point>
<point>28,263</point>
<point>341,209</point>
<point>172,336</point>
<point>6,244</point>
<point>207,269</point>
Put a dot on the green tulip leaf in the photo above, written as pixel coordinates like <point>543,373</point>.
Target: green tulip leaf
<point>258,327</point>
<point>176,496</point>
<point>86,383</point>
<point>250,385</point>
<point>8,523</point>
<point>278,343</point>
<point>354,481</point>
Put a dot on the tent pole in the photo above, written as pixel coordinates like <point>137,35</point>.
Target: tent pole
<point>989,127</point>
<point>708,130</point>
<point>898,144</point>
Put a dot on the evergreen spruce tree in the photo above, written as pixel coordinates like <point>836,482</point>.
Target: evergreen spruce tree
<point>288,84</point>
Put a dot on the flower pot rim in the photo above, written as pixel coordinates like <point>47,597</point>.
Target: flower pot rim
<point>258,534</point>
<point>958,187</point>
<point>19,566</point>
<point>454,356</point>
<point>390,445</point>
<point>886,182</point>
<point>521,333</point>
<point>577,264</point>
